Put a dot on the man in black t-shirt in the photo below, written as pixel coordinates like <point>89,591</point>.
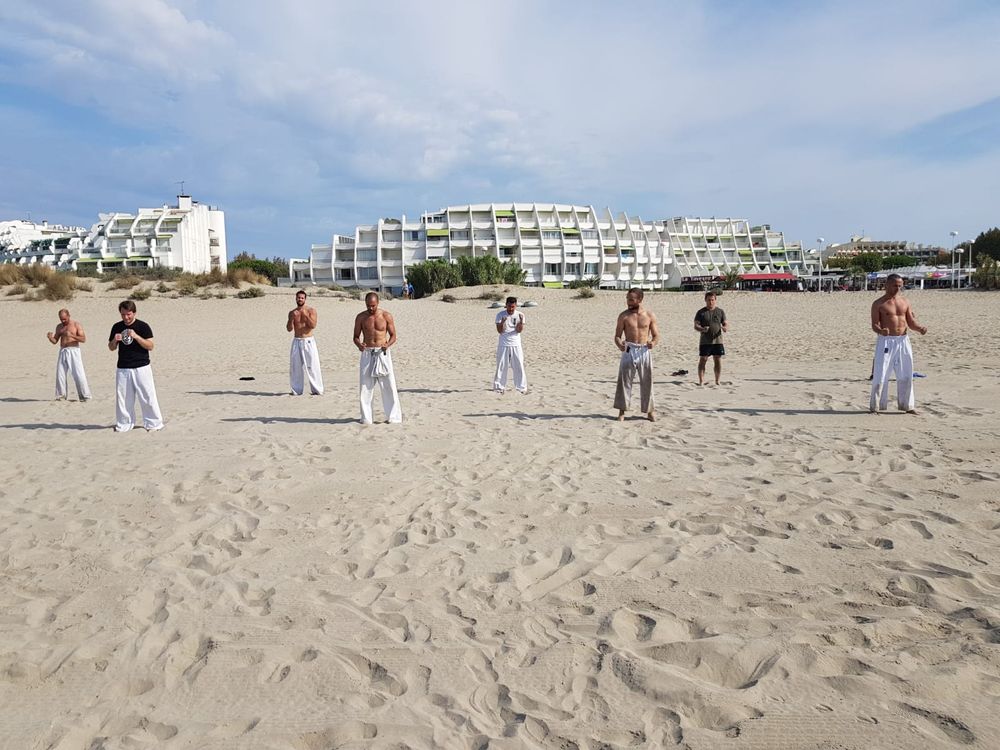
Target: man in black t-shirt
<point>710,321</point>
<point>133,340</point>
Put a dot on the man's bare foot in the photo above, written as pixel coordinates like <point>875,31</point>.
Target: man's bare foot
<point>651,416</point>
<point>621,415</point>
<point>873,411</point>
<point>912,411</point>
<point>701,382</point>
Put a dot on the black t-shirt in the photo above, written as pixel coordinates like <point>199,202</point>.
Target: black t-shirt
<point>713,320</point>
<point>130,354</point>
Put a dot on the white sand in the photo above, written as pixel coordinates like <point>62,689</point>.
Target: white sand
<point>767,566</point>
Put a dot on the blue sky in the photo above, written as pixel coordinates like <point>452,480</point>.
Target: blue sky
<point>308,117</point>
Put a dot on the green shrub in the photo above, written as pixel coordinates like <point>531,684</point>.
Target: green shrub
<point>186,286</point>
<point>250,293</point>
<point>584,292</point>
<point>491,295</point>
<point>272,269</point>
<point>85,285</point>
<point>17,289</point>
<point>354,294</point>
<point>432,276</point>
<point>335,287</point>
<point>588,283</point>
<point>448,298</point>
<point>140,294</point>
<point>162,288</point>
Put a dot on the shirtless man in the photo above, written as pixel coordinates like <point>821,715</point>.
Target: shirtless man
<point>374,334</point>
<point>891,316</point>
<point>304,356</point>
<point>69,335</point>
<point>635,335</point>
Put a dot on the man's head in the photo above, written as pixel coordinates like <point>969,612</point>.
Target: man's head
<point>711,300</point>
<point>511,305</point>
<point>893,283</point>
<point>64,316</point>
<point>300,298</point>
<point>371,302</point>
<point>634,298</point>
<point>127,310</point>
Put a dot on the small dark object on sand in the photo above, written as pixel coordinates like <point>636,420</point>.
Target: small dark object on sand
<point>679,372</point>
<point>248,377</point>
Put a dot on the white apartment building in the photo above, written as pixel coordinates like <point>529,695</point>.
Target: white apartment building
<point>555,244</point>
<point>190,236</point>
<point>858,245</point>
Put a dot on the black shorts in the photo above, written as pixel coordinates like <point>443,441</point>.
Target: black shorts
<point>711,350</point>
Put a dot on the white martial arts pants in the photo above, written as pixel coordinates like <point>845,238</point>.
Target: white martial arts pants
<point>636,360</point>
<point>385,383</point>
<point>132,382</point>
<point>510,356</point>
<point>304,363</point>
<point>70,362</point>
<point>893,354</point>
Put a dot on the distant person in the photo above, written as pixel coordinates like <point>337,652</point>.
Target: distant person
<point>636,333</point>
<point>374,334</point>
<point>304,356</point>
<point>133,340</point>
<point>510,324</point>
<point>69,335</point>
<point>409,291</point>
<point>891,315</point>
<point>405,293</point>
<point>710,321</point>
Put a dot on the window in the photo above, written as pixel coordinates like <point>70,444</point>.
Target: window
<point>367,255</point>
<point>367,273</point>
<point>590,269</point>
<point>553,269</point>
<point>549,235</point>
<point>573,269</point>
<point>413,236</point>
<point>345,274</point>
<point>588,234</point>
<point>460,234</point>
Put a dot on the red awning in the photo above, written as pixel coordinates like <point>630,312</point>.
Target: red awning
<point>767,277</point>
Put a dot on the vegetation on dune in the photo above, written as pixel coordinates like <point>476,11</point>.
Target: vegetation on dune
<point>432,276</point>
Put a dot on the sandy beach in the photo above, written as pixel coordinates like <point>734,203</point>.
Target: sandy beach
<point>766,566</point>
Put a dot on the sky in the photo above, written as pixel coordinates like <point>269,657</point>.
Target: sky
<point>305,118</point>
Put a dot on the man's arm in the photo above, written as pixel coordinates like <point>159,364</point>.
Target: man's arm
<point>654,332</point>
<point>390,328</point>
<point>311,317</point>
<point>357,333</point>
<point>520,322</point>
<point>698,326</point>
<point>620,332</point>
<point>725,323</point>
<point>288,325</point>
<point>146,344</point>
<point>912,322</point>
<point>500,324</point>
<point>877,320</point>
<point>53,337</point>
<point>80,336</point>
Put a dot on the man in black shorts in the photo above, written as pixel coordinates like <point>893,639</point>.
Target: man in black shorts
<point>710,321</point>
